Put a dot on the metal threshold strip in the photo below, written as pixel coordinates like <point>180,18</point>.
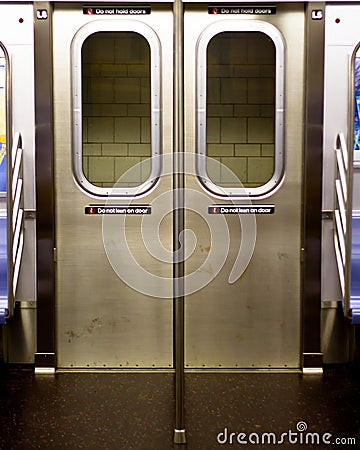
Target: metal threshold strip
<point>186,371</point>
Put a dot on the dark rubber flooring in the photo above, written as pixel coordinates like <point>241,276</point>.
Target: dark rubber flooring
<point>136,410</point>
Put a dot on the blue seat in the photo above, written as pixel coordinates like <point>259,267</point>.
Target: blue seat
<point>355,269</point>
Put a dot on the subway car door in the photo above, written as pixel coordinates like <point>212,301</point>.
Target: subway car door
<point>112,113</point>
<point>243,109</point>
<point>244,75</point>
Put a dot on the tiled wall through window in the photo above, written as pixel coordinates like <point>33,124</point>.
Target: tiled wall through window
<point>116,108</point>
<point>240,107</point>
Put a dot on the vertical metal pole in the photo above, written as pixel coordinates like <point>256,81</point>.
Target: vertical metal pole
<point>178,223</point>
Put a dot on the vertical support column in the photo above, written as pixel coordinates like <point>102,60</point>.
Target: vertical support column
<point>44,166</point>
<point>312,199</point>
<point>178,223</point>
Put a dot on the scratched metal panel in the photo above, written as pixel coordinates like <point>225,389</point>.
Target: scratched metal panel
<point>101,322</point>
<point>254,322</point>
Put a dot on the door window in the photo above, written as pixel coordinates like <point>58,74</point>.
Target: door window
<point>116,98</point>
<point>241,108</point>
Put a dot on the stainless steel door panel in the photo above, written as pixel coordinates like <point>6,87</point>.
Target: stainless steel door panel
<point>255,322</point>
<point>101,322</point>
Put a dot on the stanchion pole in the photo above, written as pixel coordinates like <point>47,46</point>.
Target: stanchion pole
<point>178,223</point>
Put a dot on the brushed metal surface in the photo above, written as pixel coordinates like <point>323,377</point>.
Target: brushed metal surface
<point>20,338</point>
<point>255,322</point>
<point>18,38</point>
<point>45,224</point>
<point>335,334</point>
<point>101,322</point>
<point>312,190</point>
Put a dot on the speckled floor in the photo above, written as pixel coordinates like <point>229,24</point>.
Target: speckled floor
<point>136,410</point>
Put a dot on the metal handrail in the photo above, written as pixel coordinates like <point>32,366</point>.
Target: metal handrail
<point>15,218</point>
<point>343,218</point>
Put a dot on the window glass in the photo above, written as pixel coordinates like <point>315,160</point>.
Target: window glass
<point>116,108</point>
<point>240,108</point>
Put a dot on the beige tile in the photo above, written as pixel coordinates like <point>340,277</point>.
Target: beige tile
<point>91,70</point>
<point>91,149</point>
<point>261,130</point>
<point>260,170</point>
<point>123,164</point>
<point>233,90</point>
<point>218,110</point>
<point>212,130</point>
<point>267,70</point>
<point>220,150</point>
<point>127,129</point>
<point>101,169</point>
<point>114,110</point>
<point>127,90</point>
<point>139,150</point>
<point>261,90</point>
<point>145,130</point>
<point>247,70</point>
<point>213,168</point>
<point>100,129</point>
<point>247,150</point>
<point>139,110</point>
<point>213,90</point>
<point>91,109</point>
<point>85,129</point>
<point>113,70</point>
<point>268,150</point>
<point>246,110</point>
<point>235,170</point>
<point>267,110</point>
<point>139,70</point>
<point>145,91</point>
<point>145,169</point>
<point>85,166</point>
<point>233,130</point>
<point>220,70</point>
<point>114,149</point>
<point>100,90</point>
